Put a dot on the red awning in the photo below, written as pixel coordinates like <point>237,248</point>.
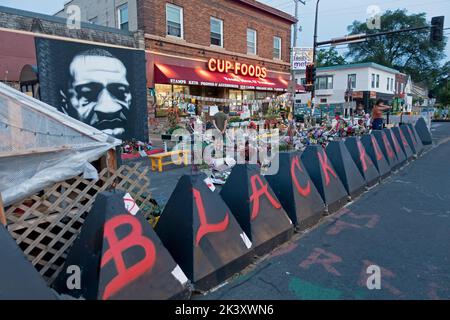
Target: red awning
<point>170,74</point>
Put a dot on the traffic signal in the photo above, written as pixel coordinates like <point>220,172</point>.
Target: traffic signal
<point>313,75</point>
<point>437,29</point>
<point>310,76</point>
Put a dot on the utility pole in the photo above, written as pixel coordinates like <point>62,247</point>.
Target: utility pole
<point>313,91</point>
<point>293,82</point>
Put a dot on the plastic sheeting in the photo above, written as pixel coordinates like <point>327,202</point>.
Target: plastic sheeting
<point>40,146</point>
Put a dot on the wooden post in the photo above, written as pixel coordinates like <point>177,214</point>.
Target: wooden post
<point>111,160</point>
<point>2,212</point>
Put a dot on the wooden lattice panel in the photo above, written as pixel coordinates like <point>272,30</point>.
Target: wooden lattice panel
<point>46,224</point>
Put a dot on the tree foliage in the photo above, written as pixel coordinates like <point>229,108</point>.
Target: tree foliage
<point>411,52</point>
<point>442,88</point>
<point>329,57</point>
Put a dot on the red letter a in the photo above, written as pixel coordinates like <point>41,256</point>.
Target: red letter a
<point>257,193</point>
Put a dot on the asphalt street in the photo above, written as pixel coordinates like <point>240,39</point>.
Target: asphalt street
<point>401,226</point>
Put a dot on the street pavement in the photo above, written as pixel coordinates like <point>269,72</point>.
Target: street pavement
<point>401,226</point>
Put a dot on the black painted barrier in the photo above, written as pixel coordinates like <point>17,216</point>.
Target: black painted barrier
<point>296,191</point>
<point>325,178</point>
<point>346,168</point>
<point>362,160</point>
<point>256,207</point>
<point>202,235</point>
<point>376,155</point>
<point>19,280</point>
<point>121,257</point>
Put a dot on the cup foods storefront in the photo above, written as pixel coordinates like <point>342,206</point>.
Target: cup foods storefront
<point>177,81</point>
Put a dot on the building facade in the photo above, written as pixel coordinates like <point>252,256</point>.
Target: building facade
<point>22,27</point>
<point>198,52</point>
<point>120,14</point>
<point>362,83</point>
<point>236,50</point>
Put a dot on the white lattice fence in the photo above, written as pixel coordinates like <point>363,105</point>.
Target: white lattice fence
<point>46,224</point>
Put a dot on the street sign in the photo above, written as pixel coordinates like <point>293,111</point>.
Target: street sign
<point>302,57</point>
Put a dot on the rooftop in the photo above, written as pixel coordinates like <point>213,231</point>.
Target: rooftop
<point>269,9</point>
<point>359,65</point>
<point>55,19</point>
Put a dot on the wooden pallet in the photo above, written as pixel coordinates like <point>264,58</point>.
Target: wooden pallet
<point>46,224</point>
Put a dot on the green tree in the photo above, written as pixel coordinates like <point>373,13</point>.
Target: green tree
<point>411,52</point>
<point>442,88</point>
<point>329,57</point>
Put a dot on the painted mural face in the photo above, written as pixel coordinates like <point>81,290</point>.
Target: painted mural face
<point>98,92</point>
<point>102,86</point>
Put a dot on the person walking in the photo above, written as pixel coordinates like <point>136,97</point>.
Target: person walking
<point>377,114</point>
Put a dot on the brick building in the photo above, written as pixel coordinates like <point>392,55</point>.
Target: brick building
<point>222,51</point>
<point>18,30</point>
<point>192,44</point>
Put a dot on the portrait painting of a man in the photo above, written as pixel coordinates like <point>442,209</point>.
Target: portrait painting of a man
<point>100,86</point>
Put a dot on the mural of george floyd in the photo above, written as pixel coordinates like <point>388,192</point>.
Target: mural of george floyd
<point>102,86</point>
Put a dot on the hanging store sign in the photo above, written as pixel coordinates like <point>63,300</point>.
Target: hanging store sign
<point>302,57</point>
<point>225,66</point>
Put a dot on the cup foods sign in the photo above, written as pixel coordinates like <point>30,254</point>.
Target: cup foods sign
<point>225,66</point>
<point>302,57</point>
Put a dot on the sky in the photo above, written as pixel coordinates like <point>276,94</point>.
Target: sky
<point>334,15</point>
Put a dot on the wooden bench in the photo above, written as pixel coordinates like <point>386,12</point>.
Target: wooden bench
<point>157,159</point>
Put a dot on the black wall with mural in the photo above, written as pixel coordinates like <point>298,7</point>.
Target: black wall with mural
<point>102,86</point>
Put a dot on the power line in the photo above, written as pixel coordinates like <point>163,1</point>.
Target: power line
<point>345,9</point>
<point>342,10</point>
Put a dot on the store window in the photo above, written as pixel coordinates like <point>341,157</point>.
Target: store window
<point>216,32</point>
<point>248,95</point>
<point>277,48</point>
<point>166,97</point>
<point>352,81</point>
<point>122,14</point>
<point>251,41</point>
<point>174,20</point>
<point>261,95</point>
<point>235,95</point>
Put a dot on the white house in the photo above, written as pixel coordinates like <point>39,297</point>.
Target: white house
<point>363,82</point>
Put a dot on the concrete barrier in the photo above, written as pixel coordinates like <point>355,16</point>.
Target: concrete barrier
<point>120,257</point>
<point>363,161</point>
<point>376,155</point>
<point>202,235</point>
<point>413,140</point>
<point>395,144</point>
<point>296,191</point>
<point>386,148</point>
<point>346,168</point>
<point>256,207</point>
<point>325,178</point>
<point>19,280</point>
<point>423,132</point>
<point>403,142</point>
